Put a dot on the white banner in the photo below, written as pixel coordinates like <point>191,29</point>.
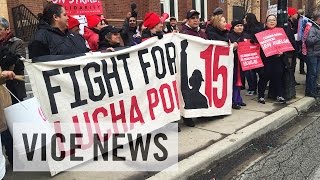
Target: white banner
<point>145,86</point>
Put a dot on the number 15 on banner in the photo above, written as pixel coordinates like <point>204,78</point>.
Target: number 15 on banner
<point>211,56</point>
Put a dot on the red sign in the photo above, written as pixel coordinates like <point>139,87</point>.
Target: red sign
<point>81,7</point>
<point>274,41</point>
<point>249,56</point>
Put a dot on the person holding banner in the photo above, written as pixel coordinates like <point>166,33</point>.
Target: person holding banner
<point>53,36</point>
<point>313,57</point>
<point>91,32</point>
<point>109,38</point>
<point>5,101</point>
<point>153,25</point>
<point>217,29</point>
<point>237,35</point>
<point>272,71</point>
<point>192,27</point>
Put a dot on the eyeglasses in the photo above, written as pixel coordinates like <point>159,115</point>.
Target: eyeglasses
<point>132,21</point>
<point>271,20</point>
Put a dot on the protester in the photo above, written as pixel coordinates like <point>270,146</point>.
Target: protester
<point>293,27</point>
<point>5,101</point>
<point>251,27</point>
<point>109,39</point>
<point>171,26</point>
<point>53,36</point>
<point>313,57</point>
<point>73,25</point>
<point>191,27</point>
<point>217,29</point>
<point>237,35</point>
<point>130,34</point>
<point>272,71</point>
<point>300,28</point>
<point>91,32</point>
<point>12,48</point>
<point>153,25</point>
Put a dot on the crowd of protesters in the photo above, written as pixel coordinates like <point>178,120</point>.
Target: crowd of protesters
<point>58,34</point>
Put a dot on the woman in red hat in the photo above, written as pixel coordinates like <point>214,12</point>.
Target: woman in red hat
<point>153,25</point>
<point>91,32</point>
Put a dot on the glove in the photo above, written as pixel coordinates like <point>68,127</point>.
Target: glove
<point>159,35</point>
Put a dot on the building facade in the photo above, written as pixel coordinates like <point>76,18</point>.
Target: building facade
<point>116,10</point>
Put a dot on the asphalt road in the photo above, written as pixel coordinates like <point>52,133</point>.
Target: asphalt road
<point>293,152</point>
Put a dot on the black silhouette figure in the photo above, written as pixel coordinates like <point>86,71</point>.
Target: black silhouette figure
<point>192,97</point>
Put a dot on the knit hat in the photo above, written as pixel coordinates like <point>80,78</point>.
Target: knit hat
<point>236,22</point>
<point>93,21</point>
<point>191,13</point>
<point>151,20</point>
<point>292,11</point>
<point>73,22</point>
<point>218,11</point>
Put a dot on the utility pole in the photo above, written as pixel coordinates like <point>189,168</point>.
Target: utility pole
<point>289,81</point>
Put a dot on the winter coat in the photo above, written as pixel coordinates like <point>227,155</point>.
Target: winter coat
<point>193,31</point>
<point>5,101</point>
<point>214,33</point>
<point>234,37</point>
<point>92,38</point>
<point>51,41</point>
<point>105,45</point>
<point>129,35</point>
<point>313,41</point>
<point>16,46</point>
<point>146,34</point>
<point>252,30</point>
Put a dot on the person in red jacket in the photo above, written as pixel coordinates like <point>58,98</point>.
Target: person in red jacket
<point>153,25</point>
<point>91,31</point>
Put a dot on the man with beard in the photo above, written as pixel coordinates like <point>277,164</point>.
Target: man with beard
<point>130,35</point>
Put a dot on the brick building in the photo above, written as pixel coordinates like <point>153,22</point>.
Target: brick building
<point>116,10</point>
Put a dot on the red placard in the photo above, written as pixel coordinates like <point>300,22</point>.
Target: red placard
<point>81,7</point>
<point>274,41</point>
<point>249,55</point>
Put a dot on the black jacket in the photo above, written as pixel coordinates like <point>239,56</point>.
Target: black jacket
<point>252,30</point>
<point>51,41</point>
<point>129,35</point>
<point>214,33</point>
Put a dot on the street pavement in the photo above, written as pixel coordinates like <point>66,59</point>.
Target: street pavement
<point>297,159</point>
<point>207,132</point>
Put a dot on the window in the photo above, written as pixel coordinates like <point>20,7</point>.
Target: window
<point>201,7</point>
<point>170,7</point>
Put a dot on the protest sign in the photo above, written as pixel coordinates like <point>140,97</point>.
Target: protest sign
<point>274,41</point>
<point>249,55</point>
<point>145,86</point>
<point>81,7</point>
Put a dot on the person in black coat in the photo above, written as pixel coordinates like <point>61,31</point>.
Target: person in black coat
<point>237,35</point>
<point>272,71</point>
<point>251,27</point>
<point>53,36</point>
<point>110,39</point>
<point>129,33</point>
<point>217,30</point>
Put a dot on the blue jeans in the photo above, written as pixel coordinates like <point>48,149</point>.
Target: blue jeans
<point>313,65</point>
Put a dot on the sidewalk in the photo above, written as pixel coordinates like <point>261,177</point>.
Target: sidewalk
<point>210,140</point>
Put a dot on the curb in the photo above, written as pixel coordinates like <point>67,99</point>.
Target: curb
<point>202,159</point>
